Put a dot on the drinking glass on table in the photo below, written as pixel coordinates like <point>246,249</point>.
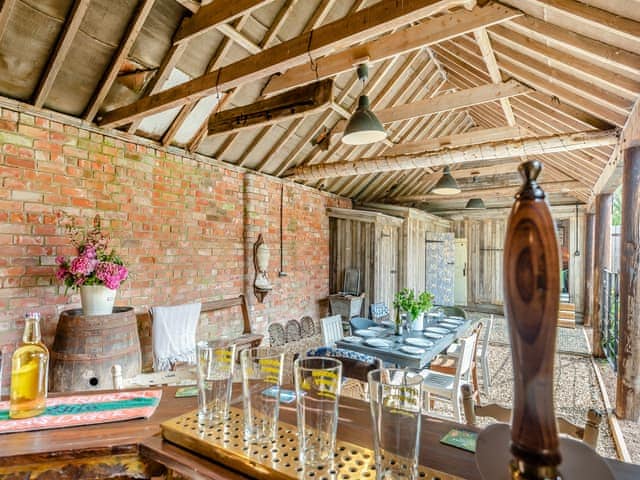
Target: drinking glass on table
<point>395,398</point>
<point>318,381</point>
<point>261,381</point>
<point>215,363</point>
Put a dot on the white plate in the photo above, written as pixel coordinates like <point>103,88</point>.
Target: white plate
<point>451,320</point>
<point>412,350</point>
<point>450,326</point>
<point>366,333</point>
<point>377,329</point>
<point>418,342</point>
<point>378,342</point>
<point>435,336</point>
<point>388,323</point>
<point>443,331</point>
<point>352,339</point>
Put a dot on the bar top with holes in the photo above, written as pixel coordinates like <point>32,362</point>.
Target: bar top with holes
<point>134,448</point>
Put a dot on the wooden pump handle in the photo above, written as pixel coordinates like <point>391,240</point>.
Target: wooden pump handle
<point>532,294</point>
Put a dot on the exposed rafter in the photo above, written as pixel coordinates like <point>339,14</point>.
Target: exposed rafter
<point>289,105</point>
<point>214,14</point>
<point>450,101</point>
<point>428,32</point>
<point>126,43</point>
<point>489,151</point>
<point>472,137</point>
<point>5,13</point>
<point>56,59</point>
<point>496,192</point>
<point>356,27</point>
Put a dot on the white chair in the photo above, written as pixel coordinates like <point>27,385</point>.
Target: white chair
<point>482,352</point>
<point>445,387</point>
<point>331,330</point>
<point>173,333</point>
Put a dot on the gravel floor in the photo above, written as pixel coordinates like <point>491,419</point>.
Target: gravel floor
<point>576,386</point>
<point>630,430</point>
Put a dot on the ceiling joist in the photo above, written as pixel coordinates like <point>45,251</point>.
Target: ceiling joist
<point>57,57</point>
<point>426,33</point>
<point>447,102</point>
<point>355,27</point>
<point>473,153</point>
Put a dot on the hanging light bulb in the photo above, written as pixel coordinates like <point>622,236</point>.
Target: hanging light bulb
<point>363,127</point>
<point>447,185</point>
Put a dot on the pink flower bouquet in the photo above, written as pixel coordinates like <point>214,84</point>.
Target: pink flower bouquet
<point>94,265</point>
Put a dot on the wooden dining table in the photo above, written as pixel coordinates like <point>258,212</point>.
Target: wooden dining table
<point>394,355</point>
<point>135,448</point>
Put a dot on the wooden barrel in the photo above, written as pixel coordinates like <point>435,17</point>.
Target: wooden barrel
<point>86,347</point>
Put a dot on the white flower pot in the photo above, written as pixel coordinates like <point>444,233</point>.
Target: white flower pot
<point>418,323</point>
<point>97,299</point>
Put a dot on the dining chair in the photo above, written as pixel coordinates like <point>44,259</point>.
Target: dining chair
<point>331,328</point>
<point>445,387</point>
<point>292,331</point>
<point>360,323</point>
<point>588,434</point>
<point>307,327</point>
<point>173,334</point>
<point>482,353</point>
<point>379,312</point>
<point>355,367</point>
<point>276,335</point>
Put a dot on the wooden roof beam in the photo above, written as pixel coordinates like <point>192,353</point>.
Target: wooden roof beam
<point>295,103</point>
<point>450,101</point>
<point>192,5</point>
<point>471,137</point>
<point>5,13</point>
<point>239,38</point>
<point>57,57</point>
<point>496,192</point>
<point>371,21</point>
<point>484,44</point>
<point>628,87</point>
<point>126,43</point>
<point>428,32</point>
<point>603,20</point>
<point>214,14</point>
<point>612,57</point>
<point>487,151</point>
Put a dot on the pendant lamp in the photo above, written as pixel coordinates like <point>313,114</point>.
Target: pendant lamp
<point>475,204</point>
<point>363,127</point>
<point>447,185</point>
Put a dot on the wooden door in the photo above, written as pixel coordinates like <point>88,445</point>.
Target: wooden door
<point>460,271</point>
<point>386,261</point>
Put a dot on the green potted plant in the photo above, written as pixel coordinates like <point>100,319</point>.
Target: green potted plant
<point>413,304</point>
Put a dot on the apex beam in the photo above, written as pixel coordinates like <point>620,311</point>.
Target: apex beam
<point>486,151</point>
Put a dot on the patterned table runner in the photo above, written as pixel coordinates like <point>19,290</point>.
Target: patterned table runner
<point>85,409</point>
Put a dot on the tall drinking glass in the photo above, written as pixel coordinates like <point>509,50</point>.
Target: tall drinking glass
<point>395,397</point>
<point>318,381</point>
<point>261,381</point>
<point>216,359</point>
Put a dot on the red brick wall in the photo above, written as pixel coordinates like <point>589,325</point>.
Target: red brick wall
<point>184,225</point>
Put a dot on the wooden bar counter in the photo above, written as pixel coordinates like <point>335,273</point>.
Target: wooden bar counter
<point>135,449</point>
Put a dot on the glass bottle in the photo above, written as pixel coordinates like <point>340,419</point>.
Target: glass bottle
<point>29,372</point>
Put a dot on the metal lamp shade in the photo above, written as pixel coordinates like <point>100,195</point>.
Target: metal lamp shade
<point>475,204</point>
<point>447,185</point>
<point>363,127</point>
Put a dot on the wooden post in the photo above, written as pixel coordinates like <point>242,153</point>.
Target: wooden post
<point>628,387</point>
<point>602,260</point>
<point>588,269</point>
<point>531,301</point>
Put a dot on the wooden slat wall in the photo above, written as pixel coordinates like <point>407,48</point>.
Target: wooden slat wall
<point>386,264</point>
<point>485,242</point>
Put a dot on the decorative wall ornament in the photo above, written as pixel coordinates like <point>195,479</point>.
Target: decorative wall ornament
<point>261,284</point>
